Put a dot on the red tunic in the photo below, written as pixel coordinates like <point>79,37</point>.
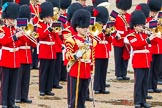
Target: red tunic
<point>47,40</point>
<point>122,29</point>
<point>141,55</point>
<point>10,57</point>
<point>102,48</point>
<point>72,45</point>
<point>25,50</point>
<point>155,48</point>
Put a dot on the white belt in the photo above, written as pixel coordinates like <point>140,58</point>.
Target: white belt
<point>85,60</point>
<point>103,42</point>
<point>10,49</point>
<point>120,32</point>
<point>141,51</point>
<point>24,47</point>
<point>46,42</point>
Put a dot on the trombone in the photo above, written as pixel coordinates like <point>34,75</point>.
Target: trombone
<point>30,34</point>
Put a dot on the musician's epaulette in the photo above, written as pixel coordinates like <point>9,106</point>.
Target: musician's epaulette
<point>131,34</point>
<point>70,40</point>
<point>1,28</point>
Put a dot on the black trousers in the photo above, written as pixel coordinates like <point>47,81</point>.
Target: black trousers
<point>63,72</point>
<point>140,86</point>
<point>120,64</point>
<point>22,88</point>
<point>46,71</point>
<point>82,89</point>
<point>154,71</point>
<point>34,57</point>
<point>57,72</point>
<point>9,85</point>
<point>101,66</point>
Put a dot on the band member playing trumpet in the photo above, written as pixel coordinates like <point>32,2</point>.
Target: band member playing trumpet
<point>23,81</point>
<point>47,51</point>
<point>156,50</point>
<point>146,10</point>
<point>122,27</point>
<point>79,56</point>
<point>58,46</point>
<point>141,57</point>
<point>10,59</point>
<point>64,4</point>
<point>101,58</point>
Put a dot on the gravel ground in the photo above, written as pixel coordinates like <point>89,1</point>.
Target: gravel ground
<point>121,93</point>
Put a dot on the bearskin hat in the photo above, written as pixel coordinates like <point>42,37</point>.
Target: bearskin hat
<point>64,4</point>
<point>72,8</point>
<point>24,12</point>
<point>46,10</point>
<point>144,7</point>
<point>10,10</point>
<point>137,17</point>
<point>124,4</point>
<point>4,1</point>
<point>90,9</point>
<point>101,14</point>
<point>81,18</point>
<point>55,3</point>
<point>22,2</point>
<point>155,5</point>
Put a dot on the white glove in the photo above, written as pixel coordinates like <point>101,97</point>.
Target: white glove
<point>118,36</point>
<point>79,54</point>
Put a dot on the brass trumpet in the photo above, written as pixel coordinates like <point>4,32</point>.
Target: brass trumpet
<point>57,29</point>
<point>30,34</point>
<point>110,30</point>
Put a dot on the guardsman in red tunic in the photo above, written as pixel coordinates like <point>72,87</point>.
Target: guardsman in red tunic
<point>122,29</point>
<point>101,52</point>
<point>68,32</point>
<point>79,57</point>
<point>141,57</point>
<point>22,88</point>
<point>47,50</point>
<point>35,9</point>
<point>58,47</point>
<point>10,59</point>
<point>146,10</point>
<point>64,4</point>
<point>156,50</point>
